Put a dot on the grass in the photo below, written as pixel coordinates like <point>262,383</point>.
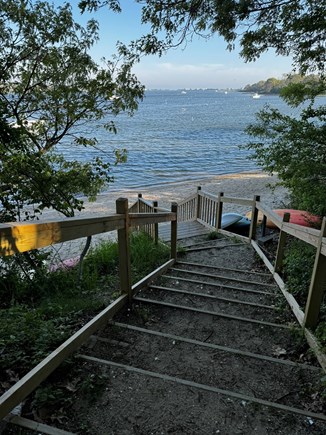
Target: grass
<point>39,310</point>
<point>297,269</point>
<point>213,235</point>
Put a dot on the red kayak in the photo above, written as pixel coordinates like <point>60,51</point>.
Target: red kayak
<point>299,217</point>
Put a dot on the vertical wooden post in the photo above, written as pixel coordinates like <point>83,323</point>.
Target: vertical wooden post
<point>155,205</point>
<point>219,211</point>
<point>317,284</point>
<point>140,195</point>
<point>198,211</point>
<point>124,249</point>
<point>263,226</point>
<point>174,230</point>
<point>254,218</point>
<point>281,245</point>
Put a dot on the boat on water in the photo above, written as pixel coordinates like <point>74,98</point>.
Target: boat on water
<point>256,96</point>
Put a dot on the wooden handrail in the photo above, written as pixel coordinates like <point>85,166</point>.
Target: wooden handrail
<point>161,209</point>
<point>207,204</point>
<point>150,218</point>
<point>145,202</point>
<point>227,199</point>
<point>190,198</point>
<point>23,236</point>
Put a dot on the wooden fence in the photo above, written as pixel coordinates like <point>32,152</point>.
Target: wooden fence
<point>204,207</point>
<point>143,206</point>
<point>207,209</point>
<point>24,236</point>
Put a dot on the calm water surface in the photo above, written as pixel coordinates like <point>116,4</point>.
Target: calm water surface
<point>179,136</point>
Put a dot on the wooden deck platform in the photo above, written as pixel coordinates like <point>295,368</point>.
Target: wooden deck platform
<point>185,230</point>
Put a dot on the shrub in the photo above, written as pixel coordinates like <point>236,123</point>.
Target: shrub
<point>297,269</point>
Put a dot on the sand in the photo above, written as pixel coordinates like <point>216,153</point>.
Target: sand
<point>241,185</point>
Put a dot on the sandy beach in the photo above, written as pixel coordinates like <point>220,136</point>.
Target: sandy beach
<point>241,185</point>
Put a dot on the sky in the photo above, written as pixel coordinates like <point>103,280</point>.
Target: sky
<point>201,64</point>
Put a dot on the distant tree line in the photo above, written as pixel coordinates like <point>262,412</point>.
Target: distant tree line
<point>274,86</point>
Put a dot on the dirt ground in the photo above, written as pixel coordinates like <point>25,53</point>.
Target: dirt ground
<point>123,401</point>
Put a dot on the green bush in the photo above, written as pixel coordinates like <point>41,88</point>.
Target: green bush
<point>39,309</point>
<point>27,336</point>
<point>297,269</point>
<point>320,332</point>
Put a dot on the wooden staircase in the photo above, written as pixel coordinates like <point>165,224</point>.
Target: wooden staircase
<point>205,349</point>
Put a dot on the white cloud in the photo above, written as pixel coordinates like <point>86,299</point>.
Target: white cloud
<point>167,75</point>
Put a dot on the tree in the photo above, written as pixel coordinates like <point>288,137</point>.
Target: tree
<point>295,147</point>
<point>50,90</point>
<point>274,86</point>
<point>292,27</point>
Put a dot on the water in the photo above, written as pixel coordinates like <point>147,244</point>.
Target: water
<point>179,136</point>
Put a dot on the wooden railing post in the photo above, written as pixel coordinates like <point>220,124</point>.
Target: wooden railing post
<point>317,284</point>
<point>254,219</point>
<point>140,195</point>
<point>281,245</point>
<point>155,205</point>
<point>263,226</point>
<point>219,211</point>
<point>124,249</point>
<point>174,230</point>
<point>198,211</point>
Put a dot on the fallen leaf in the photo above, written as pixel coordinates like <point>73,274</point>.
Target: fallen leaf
<point>278,351</point>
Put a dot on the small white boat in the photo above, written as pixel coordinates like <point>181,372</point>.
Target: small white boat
<point>256,96</point>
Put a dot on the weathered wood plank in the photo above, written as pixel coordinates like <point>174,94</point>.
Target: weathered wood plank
<point>238,201</point>
<point>187,200</point>
<point>204,344</point>
<point>149,278</point>
<point>146,203</point>
<point>270,214</point>
<point>191,384</point>
<point>199,203</point>
<point>254,218</point>
<point>227,199</point>
<point>212,313</point>
<point>24,236</point>
<point>308,235</point>
<point>281,245</point>
<point>219,211</point>
<point>288,296</point>
<point>317,284</point>
<point>124,250</point>
<point>150,218</point>
<point>35,426</point>
<point>174,230</point>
